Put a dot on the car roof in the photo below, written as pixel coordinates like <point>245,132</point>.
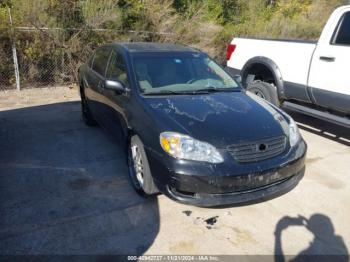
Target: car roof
<point>141,47</point>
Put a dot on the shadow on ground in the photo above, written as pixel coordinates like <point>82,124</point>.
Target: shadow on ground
<point>64,188</point>
<point>322,128</point>
<point>326,245</point>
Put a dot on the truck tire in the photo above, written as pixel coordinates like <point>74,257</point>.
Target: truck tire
<point>264,90</point>
<point>139,170</point>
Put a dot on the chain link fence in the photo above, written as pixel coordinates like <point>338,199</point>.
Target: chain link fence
<point>7,72</point>
<point>50,57</point>
<point>42,61</point>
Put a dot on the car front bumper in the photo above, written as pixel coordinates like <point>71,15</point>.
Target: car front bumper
<point>204,184</point>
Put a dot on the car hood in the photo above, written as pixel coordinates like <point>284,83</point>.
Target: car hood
<point>220,119</point>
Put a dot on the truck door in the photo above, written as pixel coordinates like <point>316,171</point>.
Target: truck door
<point>329,78</point>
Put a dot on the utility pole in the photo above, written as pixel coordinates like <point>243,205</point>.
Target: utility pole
<point>14,52</point>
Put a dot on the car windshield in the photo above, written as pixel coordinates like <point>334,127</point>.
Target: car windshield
<point>180,73</point>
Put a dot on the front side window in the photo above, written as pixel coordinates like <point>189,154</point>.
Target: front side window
<point>174,72</point>
<point>117,69</point>
<point>100,60</point>
<point>343,35</point>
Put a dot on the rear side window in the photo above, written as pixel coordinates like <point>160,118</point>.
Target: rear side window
<point>100,60</point>
<point>343,35</point>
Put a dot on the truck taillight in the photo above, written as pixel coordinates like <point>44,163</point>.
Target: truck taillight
<point>230,49</point>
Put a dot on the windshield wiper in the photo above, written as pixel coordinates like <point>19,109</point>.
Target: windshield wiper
<point>206,90</point>
<point>166,92</point>
<point>212,89</point>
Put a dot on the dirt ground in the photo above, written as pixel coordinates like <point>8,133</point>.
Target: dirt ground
<point>64,190</point>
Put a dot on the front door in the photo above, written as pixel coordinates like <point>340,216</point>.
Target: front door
<point>329,74</point>
<point>116,113</point>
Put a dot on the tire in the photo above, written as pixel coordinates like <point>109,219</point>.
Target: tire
<point>139,170</point>
<point>85,111</point>
<point>264,90</point>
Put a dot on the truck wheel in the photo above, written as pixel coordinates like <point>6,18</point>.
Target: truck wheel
<point>139,170</point>
<point>264,90</point>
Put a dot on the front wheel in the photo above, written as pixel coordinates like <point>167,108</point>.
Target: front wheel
<point>265,91</point>
<point>139,170</point>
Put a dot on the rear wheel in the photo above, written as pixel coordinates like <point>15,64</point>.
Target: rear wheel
<point>264,90</point>
<point>139,170</point>
<point>85,111</point>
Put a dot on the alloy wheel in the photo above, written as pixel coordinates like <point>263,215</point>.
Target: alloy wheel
<point>137,164</point>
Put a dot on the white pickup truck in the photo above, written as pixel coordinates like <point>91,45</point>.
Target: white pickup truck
<point>310,77</point>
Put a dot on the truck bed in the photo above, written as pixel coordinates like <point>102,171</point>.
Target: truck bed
<point>293,57</point>
<point>282,40</point>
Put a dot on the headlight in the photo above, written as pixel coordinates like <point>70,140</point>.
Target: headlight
<point>185,147</point>
<point>294,134</point>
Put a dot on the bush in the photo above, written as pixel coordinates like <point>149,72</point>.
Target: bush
<point>54,55</point>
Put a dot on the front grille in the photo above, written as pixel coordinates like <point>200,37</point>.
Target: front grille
<point>254,151</point>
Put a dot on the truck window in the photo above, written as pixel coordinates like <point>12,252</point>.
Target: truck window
<point>343,34</point>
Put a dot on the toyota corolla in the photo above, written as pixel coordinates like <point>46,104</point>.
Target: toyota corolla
<point>190,131</point>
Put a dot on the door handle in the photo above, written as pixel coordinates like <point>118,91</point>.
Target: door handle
<point>327,58</point>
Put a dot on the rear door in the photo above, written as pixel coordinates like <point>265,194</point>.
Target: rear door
<point>329,73</point>
<point>96,80</point>
<point>116,114</point>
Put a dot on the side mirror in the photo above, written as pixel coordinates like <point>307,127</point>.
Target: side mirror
<point>238,78</point>
<point>115,86</point>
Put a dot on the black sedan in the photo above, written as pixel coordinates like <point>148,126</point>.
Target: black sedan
<point>190,130</point>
